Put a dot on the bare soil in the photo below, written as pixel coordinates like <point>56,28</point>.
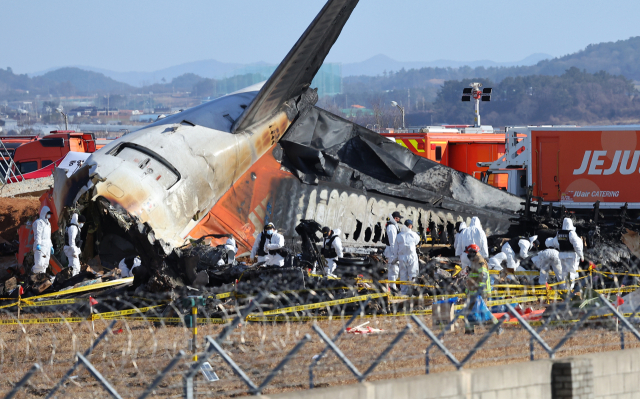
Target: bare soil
<point>15,212</point>
<point>131,359</point>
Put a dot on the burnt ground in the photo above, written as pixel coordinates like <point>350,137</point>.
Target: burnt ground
<point>130,359</point>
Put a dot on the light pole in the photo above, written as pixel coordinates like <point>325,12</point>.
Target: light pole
<point>66,124</point>
<point>479,94</point>
<point>395,104</point>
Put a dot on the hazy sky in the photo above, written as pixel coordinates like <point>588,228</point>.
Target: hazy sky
<point>149,35</point>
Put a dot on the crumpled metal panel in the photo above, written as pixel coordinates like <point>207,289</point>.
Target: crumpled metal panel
<point>207,161</point>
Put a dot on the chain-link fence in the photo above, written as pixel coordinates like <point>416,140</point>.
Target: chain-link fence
<point>241,343</point>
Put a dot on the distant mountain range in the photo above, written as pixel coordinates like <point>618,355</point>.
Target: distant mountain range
<point>380,63</point>
<point>616,58</point>
<point>218,70</point>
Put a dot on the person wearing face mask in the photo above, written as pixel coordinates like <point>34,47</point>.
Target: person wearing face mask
<point>274,247</point>
<point>42,245</point>
<point>72,242</point>
<point>331,248</point>
<point>258,246</point>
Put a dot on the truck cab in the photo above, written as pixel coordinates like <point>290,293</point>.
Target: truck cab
<point>41,153</point>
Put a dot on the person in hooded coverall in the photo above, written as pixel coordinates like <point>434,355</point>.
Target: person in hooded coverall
<point>230,246</point>
<point>331,248</point>
<point>127,265</point>
<point>258,246</point>
<point>404,251</point>
<point>273,246</point>
<point>457,242</point>
<point>72,242</point>
<point>474,234</point>
<point>570,247</point>
<point>392,229</point>
<point>545,261</point>
<point>42,245</point>
<point>522,246</point>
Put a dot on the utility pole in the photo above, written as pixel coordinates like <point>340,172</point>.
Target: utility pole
<point>66,123</point>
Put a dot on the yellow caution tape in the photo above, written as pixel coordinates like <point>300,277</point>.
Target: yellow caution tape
<point>54,302</point>
<point>10,305</point>
<point>323,304</point>
<point>512,300</point>
<point>85,288</point>
<point>109,315</point>
<point>49,320</point>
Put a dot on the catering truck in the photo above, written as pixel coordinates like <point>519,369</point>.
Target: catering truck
<point>571,166</point>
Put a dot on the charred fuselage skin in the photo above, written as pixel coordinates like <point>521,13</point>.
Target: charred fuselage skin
<point>169,176</point>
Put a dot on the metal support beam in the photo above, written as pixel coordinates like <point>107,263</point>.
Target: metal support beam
<point>96,374</point>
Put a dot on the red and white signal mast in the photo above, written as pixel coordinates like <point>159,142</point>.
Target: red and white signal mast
<point>478,95</point>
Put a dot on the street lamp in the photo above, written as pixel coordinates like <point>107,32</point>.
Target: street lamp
<point>66,124</point>
<point>395,104</point>
<point>479,94</point>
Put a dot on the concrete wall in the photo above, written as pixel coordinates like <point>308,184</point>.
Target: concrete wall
<point>608,375</point>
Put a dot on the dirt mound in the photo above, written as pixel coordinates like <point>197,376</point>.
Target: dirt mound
<point>15,212</point>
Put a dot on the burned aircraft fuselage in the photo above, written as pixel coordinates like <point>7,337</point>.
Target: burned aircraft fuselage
<point>268,154</point>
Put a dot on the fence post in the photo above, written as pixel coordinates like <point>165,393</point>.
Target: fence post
<point>77,363</point>
<point>326,348</point>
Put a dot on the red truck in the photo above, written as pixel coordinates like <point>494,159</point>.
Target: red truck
<point>52,147</point>
<point>572,166</point>
<point>460,151</point>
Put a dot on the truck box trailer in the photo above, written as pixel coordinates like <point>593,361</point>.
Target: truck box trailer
<point>572,166</point>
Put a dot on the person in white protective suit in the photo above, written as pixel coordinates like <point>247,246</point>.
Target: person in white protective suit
<point>474,234</point>
<point>457,242</point>
<point>258,246</point>
<point>42,245</point>
<point>391,229</point>
<point>545,261</point>
<point>404,251</point>
<point>127,265</point>
<point>331,248</point>
<point>274,247</point>
<point>231,247</point>
<point>72,242</point>
<point>570,247</point>
<point>517,249</point>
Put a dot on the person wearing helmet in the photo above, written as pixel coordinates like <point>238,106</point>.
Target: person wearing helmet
<point>331,248</point>
<point>518,249</point>
<point>474,234</point>
<point>571,250</point>
<point>42,245</point>
<point>404,252</point>
<point>72,242</point>
<point>274,247</point>
<point>391,229</point>
<point>258,245</point>
<point>478,288</point>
